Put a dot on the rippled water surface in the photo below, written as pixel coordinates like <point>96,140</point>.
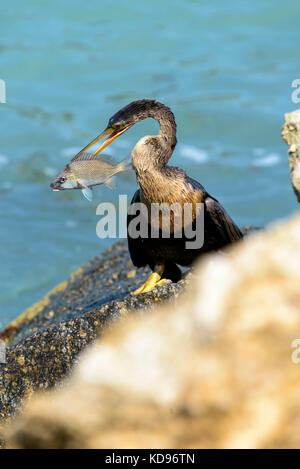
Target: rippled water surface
<point>225,68</point>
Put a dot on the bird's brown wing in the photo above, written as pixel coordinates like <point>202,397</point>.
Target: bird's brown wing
<point>225,226</point>
<point>137,252</point>
<point>227,230</point>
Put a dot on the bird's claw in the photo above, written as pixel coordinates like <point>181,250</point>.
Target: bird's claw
<point>153,281</point>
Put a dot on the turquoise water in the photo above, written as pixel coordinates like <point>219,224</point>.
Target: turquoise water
<point>225,69</point>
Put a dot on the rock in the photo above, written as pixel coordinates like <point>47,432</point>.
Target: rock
<point>43,342</point>
<point>213,370</point>
<point>291,135</point>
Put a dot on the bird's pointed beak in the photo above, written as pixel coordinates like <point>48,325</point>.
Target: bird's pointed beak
<point>111,135</point>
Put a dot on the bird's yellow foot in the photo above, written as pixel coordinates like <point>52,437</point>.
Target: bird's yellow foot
<point>153,281</point>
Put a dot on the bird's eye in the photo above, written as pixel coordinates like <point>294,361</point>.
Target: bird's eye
<point>116,126</point>
<point>62,179</point>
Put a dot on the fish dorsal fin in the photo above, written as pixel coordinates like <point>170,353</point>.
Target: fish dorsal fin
<point>90,156</point>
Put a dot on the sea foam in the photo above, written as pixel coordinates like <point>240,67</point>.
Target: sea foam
<point>193,153</point>
<point>3,160</point>
<point>270,159</point>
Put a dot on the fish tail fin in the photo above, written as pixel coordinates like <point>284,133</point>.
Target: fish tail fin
<point>109,183</point>
<point>124,165</point>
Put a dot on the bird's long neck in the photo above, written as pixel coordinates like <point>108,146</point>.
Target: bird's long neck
<point>153,152</point>
<point>166,120</point>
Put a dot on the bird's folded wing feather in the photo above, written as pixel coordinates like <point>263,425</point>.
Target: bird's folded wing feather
<point>136,250</point>
<point>226,227</point>
<point>224,224</point>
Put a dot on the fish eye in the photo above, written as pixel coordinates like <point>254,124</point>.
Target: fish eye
<point>62,179</point>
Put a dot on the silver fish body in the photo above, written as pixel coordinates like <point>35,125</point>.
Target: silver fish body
<point>87,171</point>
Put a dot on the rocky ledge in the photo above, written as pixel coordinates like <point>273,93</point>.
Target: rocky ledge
<point>44,342</point>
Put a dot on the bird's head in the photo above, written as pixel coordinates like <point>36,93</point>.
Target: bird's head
<point>122,121</point>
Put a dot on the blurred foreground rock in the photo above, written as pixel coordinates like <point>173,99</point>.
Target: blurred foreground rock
<point>215,370</point>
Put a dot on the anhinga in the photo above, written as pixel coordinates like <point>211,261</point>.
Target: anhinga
<point>163,184</point>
